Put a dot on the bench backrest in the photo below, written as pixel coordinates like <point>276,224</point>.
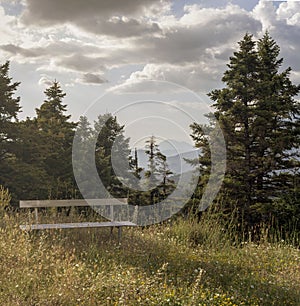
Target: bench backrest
<point>70,203</point>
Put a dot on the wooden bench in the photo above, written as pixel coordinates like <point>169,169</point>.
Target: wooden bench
<point>97,203</point>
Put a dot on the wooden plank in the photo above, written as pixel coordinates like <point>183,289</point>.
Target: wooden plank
<point>76,225</point>
<point>36,215</point>
<point>69,203</point>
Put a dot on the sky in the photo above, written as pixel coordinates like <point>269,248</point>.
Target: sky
<point>149,62</point>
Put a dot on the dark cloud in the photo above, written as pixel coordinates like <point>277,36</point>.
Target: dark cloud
<point>53,48</point>
<point>191,49</point>
<point>90,78</point>
<point>120,27</point>
<point>16,50</point>
<point>79,62</point>
<point>94,15</point>
<point>201,36</point>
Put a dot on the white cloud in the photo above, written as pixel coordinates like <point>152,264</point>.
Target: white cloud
<point>283,23</point>
<point>289,11</point>
<point>6,23</point>
<point>45,80</point>
<point>265,12</point>
<point>198,76</point>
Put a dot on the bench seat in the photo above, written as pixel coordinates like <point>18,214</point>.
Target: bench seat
<point>29,227</point>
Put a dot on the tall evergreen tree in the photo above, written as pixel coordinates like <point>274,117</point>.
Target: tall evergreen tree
<point>136,170</point>
<point>112,150</point>
<point>259,118</point>
<point>158,174</point>
<point>134,164</point>
<point>82,156</point>
<point>9,110</point>
<point>29,175</point>
<point>276,126</point>
<point>56,133</point>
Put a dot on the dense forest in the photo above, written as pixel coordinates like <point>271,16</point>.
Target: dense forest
<point>257,110</point>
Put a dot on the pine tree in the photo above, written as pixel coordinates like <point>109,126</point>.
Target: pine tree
<point>158,174</point>
<point>276,125</point>
<point>112,150</point>
<point>134,165</point>
<point>9,109</point>
<point>83,158</point>
<point>259,118</point>
<point>135,196</point>
<point>56,133</point>
<point>29,175</point>
<point>234,114</point>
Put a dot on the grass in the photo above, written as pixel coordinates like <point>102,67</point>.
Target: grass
<point>178,263</point>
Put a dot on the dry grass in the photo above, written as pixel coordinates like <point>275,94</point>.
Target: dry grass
<point>182,263</point>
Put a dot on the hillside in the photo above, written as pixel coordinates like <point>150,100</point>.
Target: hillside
<point>178,263</point>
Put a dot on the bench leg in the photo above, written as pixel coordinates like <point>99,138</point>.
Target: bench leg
<point>111,232</point>
<point>119,234</point>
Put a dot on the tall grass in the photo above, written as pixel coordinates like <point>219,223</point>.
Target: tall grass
<point>183,262</point>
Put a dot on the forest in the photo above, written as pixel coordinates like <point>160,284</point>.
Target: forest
<point>258,113</point>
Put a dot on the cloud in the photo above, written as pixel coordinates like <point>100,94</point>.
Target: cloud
<point>16,50</point>
<point>265,12</point>
<point>197,77</point>
<point>79,62</point>
<point>45,80</point>
<point>289,11</point>
<point>144,40</point>
<point>114,17</point>
<point>283,23</point>
<point>6,23</point>
<point>192,52</point>
<point>57,10</point>
<point>199,35</point>
<point>198,30</point>
<point>46,48</point>
<point>120,27</point>
<point>91,79</point>
<point>203,40</point>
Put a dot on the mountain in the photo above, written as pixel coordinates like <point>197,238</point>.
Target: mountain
<point>176,153</point>
<point>177,163</point>
<point>173,147</point>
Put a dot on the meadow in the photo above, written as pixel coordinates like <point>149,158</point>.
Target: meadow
<point>180,262</point>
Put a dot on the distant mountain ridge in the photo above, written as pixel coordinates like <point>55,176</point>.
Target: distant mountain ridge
<point>176,153</point>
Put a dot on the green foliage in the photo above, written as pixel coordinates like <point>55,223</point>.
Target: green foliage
<point>112,151</point>
<point>55,133</point>
<point>156,178</point>
<point>9,109</point>
<point>259,118</point>
<point>157,174</point>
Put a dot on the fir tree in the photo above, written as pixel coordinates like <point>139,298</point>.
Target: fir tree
<point>9,110</point>
<point>112,150</point>
<point>56,133</point>
<point>259,118</point>
<point>157,174</point>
